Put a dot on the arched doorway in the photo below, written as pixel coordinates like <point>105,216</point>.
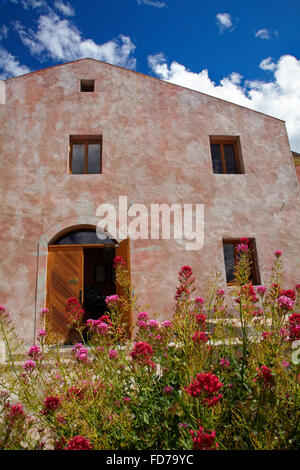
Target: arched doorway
<point>81,265</point>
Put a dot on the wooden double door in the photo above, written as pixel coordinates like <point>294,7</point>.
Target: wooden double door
<point>85,272</point>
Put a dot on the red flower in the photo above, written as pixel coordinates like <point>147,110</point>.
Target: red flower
<point>200,337</point>
<point>51,404</point>
<point>206,386</point>
<point>119,261</point>
<point>142,352</point>
<point>60,444</point>
<point>79,443</point>
<point>294,326</point>
<point>249,292</point>
<point>201,318</point>
<point>106,319</point>
<point>181,291</point>
<point>203,440</point>
<point>15,411</point>
<point>74,310</point>
<point>185,272</point>
<point>74,393</point>
<point>265,376</point>
<point>290,293</point>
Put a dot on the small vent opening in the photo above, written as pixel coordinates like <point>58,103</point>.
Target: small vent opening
<point>87,85</point>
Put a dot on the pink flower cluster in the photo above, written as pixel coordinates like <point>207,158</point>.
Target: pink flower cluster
<point>261,290</point>
<point>285,302</point>
<point>97,326</point>
<point>34,352</point>
<point>203,440</point>
<point>144,322</point>
<point>112,299</point>
<point>29,365</point>
<point>2,309</point>
<point>277,253</point>
<point>206,386</point>
<point>168,390</point>
<point>81,352</point>
<point>42,333</point>
<point>224,363</point>
<point>44,310</point>
<point>220,292</point>
<point>241,247</point>
<point>79,443</point>
<point>113,354</point>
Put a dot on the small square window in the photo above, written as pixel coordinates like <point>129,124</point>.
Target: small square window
<point>85,154</point>
<point>87,85</point>
<point>231,257</point>
<point>226,155</point>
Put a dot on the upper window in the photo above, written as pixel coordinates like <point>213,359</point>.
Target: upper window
<point>226,155</point>
<point>231,257</point>
<point>85,154</point>
<point>87,85</point>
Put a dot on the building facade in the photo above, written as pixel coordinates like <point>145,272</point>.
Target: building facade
<point>82,134</point>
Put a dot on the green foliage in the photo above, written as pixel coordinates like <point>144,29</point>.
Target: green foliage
<point>119,396</point>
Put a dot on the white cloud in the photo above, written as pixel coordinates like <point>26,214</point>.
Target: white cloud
<point>152,3</point>
<point>267,64</point>
<point>65,8</point>
<point>10,66</point>
<point>279,97</point>
<point>223,21</point>
<point>61,40</point>
<point>33,3</point>
<point>3,31</point>
<point>265,34</point>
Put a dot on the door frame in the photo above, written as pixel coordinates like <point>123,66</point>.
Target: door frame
<point>54,248</point>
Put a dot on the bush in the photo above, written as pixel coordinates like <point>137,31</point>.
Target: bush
<point>203,380</point>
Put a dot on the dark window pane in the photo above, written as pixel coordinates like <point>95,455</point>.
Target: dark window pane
<point>94,158</point>
<point>78,159</point>
<point>216,158</point>
<point>87,85</point>
<point>82,237</point>
<point>230,158</point>
<point>229,260</point>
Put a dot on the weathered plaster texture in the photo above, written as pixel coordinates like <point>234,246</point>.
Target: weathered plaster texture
<point>155,150</point>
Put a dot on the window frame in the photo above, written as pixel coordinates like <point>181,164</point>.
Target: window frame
<point>88,83</point>
<point>86,140</point>
<point>228,140</point>
<point>255,279</point>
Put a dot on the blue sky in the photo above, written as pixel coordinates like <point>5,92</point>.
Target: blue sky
<point>246,51</point>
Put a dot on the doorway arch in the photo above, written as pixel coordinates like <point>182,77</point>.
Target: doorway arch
<point>80,265</point>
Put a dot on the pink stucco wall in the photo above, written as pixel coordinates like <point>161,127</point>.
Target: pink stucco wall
<point>155,150</point>
<point>298,172</point>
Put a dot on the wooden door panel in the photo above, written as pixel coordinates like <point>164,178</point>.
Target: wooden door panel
<point>65,280</point>
<point>123,250</point>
